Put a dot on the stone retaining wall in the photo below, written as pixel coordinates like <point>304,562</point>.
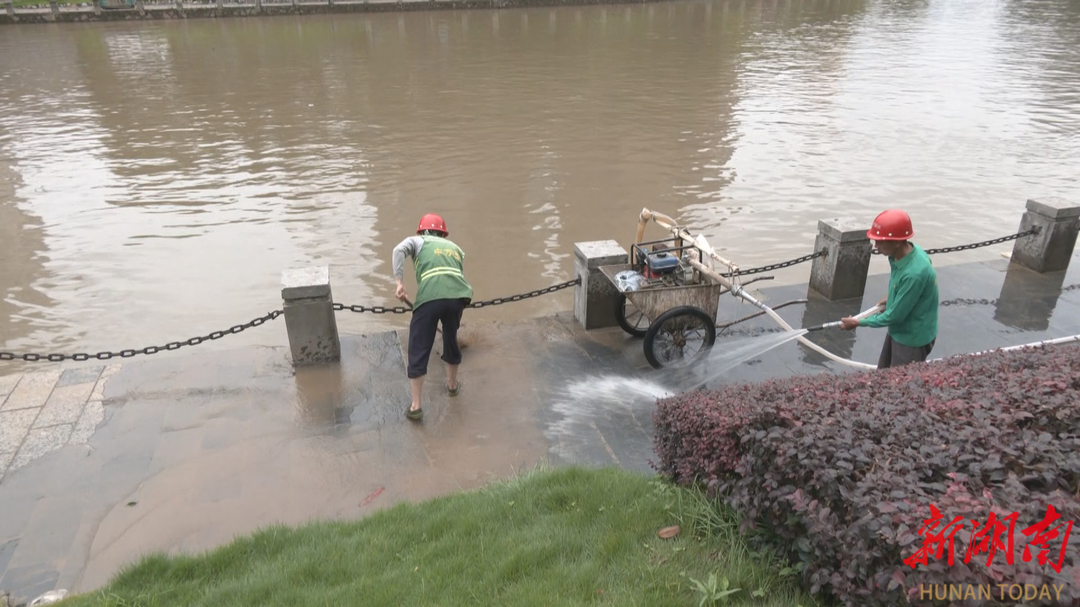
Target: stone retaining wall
<point>148,12</point>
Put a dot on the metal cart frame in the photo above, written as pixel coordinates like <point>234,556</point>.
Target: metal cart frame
<point>681,318</point>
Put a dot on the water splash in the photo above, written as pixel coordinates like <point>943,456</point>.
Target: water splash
<point>674,379</point>
<point>721,358</point>
<point>626,401</point>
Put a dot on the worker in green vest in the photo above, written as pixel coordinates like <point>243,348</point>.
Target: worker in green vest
<point>911,305</point>
<point>441,296</point>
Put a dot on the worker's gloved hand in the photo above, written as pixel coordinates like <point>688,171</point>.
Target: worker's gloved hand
<point>848,323</point>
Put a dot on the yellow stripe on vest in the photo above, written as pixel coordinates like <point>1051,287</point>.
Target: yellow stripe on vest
<point>441,271</point>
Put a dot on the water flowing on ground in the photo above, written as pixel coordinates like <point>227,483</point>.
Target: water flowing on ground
<point>608,394</point>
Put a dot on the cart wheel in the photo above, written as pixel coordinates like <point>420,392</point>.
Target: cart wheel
<point>678,336</point>
<point>632,320</point>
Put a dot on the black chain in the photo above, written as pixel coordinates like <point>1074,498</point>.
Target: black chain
<point>976,245</point>
<point>475,304</point>
<point>777,266</point>
<point>175,345</point>
<point>373,309</point>
<point>536,293</point>
<point>961,301</point>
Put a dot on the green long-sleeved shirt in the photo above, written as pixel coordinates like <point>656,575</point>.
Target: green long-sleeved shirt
<point>911,313</point>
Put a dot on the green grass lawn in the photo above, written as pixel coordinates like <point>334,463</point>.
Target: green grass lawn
<point>567,536</point>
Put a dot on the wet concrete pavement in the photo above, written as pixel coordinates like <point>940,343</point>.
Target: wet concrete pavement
<point>194,449</point>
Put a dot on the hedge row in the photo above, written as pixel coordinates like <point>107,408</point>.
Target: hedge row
<point>842,473</point>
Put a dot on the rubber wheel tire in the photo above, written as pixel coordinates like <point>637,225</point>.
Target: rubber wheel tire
<point>636,329</point>
<point>671,319</point>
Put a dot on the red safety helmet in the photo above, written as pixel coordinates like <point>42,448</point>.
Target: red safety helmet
<point>431,221</point>
<point>893,224</point>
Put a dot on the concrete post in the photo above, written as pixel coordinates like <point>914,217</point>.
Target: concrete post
<point>595,297</point>
<point>309,315</point>
<point>97,6</point>
<point>11,8</point>
<point>841,273</point>
<point>180,6</point>
<point>1050,249</point>
<point>220,4</point>
<point>54,7</point>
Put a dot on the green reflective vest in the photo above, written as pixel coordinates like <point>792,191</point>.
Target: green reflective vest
<point>439,272</point>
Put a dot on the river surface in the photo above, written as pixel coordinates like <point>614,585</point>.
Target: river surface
<point>157,177</point>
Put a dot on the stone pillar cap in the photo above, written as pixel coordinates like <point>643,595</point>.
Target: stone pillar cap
<point>598,253</point>
<point>1054,207</point>
<point>302,283</point>
<point>844,229</point>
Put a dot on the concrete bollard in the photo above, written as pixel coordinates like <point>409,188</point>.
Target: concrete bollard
<point>595,297</point>
<point>11,8</point>
<point>841,273</point>
<point>1048,251</point>
<point>309,316</point>
<point>54,7</point>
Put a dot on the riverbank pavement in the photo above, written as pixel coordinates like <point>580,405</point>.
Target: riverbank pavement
<point>181,452</point>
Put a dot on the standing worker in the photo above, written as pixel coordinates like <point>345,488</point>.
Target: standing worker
<point>911,306</point>
<point>441,296</point>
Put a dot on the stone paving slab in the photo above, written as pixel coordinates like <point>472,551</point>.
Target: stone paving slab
<point>46,410</point>
<point>92,415</point>
<point>7,384</point>
<point>13,428</point>
<point>32,390</point>
<point>65,405</point>
<point>81,375</point>
<point>41,441</point>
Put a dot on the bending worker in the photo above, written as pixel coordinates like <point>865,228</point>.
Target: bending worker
<point>911,306</point>
<point>441,296</point>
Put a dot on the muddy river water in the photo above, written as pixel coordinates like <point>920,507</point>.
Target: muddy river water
<point>157,177</point>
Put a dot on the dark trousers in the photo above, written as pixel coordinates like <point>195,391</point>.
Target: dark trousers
<point>425,320</point>
<point>895,355</point>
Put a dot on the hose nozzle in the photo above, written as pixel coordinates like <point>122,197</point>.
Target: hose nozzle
<point>828,325</point>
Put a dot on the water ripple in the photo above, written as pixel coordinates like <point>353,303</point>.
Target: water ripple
<point>161,175</point>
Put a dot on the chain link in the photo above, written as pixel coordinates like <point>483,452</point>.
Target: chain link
<point>373,309</point>
<point>777,266</point>
<point>501,300</point>
<point>962,301</point>
<point>173,345</point>
<point>976,245</point>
